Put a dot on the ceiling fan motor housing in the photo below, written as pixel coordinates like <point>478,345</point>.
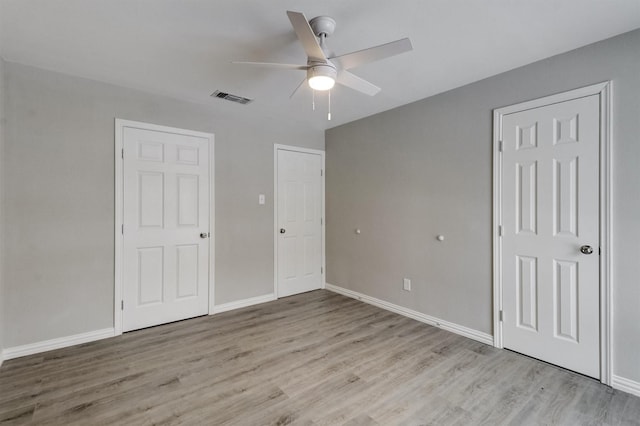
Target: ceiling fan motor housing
<point>324,70</point>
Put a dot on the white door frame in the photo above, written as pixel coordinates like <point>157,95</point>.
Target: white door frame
<point>276,148</point>
<point>606,308</point>
<point>120,125</point>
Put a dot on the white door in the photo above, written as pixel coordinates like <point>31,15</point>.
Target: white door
<point>299,214</point>
<point>166,226</point>
<point>550,265</point>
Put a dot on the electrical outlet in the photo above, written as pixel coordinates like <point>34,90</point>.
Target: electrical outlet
<point>406,284</point>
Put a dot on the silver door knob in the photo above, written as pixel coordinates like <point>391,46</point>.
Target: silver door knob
<point>586,250</point>
<point>282,230</point>
<point>204,234</point>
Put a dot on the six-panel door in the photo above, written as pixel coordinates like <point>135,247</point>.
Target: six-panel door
<point>166,209</point>
<point>550,210</point>
<point>299,222</point>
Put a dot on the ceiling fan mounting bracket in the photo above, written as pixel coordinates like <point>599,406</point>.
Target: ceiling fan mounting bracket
<point>322,25</point>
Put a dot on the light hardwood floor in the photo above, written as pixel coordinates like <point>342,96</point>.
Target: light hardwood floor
<point>314,358</point>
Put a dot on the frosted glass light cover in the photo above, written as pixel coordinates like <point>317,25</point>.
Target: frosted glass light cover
<point>321,82</point>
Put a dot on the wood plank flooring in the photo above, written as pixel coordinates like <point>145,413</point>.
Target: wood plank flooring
<point>315,358</point>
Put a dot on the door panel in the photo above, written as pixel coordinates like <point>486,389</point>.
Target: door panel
<point>151,190</point>
<point>187,270</point>
<point>565,286</point>
<point>299,215</point>
<point>150,277</point>
<point>565,197</point>
<point>188,200</point>
<point>166,207</point>
<point>526,186</point>
<point>527,292</point>
<point>550,208</point>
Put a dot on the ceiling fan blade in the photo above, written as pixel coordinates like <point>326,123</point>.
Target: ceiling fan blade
<point>298,87</point>
<point>306,36</point>
<point>354,59</point>
<point>273,65</point>
<point>354,82</point>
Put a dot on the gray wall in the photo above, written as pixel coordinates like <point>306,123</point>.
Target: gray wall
<point>59,211</point>
<point>406,175</point>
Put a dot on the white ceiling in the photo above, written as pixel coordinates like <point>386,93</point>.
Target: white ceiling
<point>184,48</point>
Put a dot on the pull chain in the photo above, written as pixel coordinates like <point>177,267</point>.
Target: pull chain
<point>329,113</point>
<point>313,99</point>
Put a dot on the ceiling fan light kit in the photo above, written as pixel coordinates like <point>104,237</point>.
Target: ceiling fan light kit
<point>325,69</point>
<point>322,77</point>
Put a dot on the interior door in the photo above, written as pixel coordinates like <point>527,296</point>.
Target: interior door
<point>299,237</point>
<point>166,226</point>
<point>550,245</point>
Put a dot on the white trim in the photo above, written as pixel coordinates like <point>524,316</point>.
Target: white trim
<point>321,153</point>
<point>119,214</point>
<point>625,385</point>
<point>606,233</point>
<point>120,124</point>
<point>60,342</point>
<point>604,90</point>
<point>212,224</point>
<point>244,303</point>
<point>419,316</point>
<point>581,92</point>
<point>497,220</point>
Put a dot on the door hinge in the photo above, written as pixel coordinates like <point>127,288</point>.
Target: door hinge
<point>501,316</point>
<point>320,172</point>
<point>599,251</point>
<point>320,221</point>
<point>122,229</point>
<point>499,146</point>
<point>321,270</point>
<point>122,153</point>
<point>122,305</point>
<point>499,230</point>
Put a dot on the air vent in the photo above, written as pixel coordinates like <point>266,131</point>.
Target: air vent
<point>230,97</point>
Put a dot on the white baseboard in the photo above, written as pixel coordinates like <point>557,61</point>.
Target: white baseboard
<point>63,342</point>
<point>243,303</point>
<point>419,316</point>
<point>625,385</point>
<point>60,342</point>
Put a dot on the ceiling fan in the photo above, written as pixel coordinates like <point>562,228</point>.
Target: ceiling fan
<point>323,68</point>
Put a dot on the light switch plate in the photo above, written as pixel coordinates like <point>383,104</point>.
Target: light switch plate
<point>261,199</point>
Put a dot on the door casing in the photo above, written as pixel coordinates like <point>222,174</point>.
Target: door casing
<point>276,148</point>
<point>604,90</point>
<point>120,125</point>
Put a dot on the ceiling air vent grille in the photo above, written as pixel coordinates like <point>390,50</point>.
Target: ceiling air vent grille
<point>230,97</point>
